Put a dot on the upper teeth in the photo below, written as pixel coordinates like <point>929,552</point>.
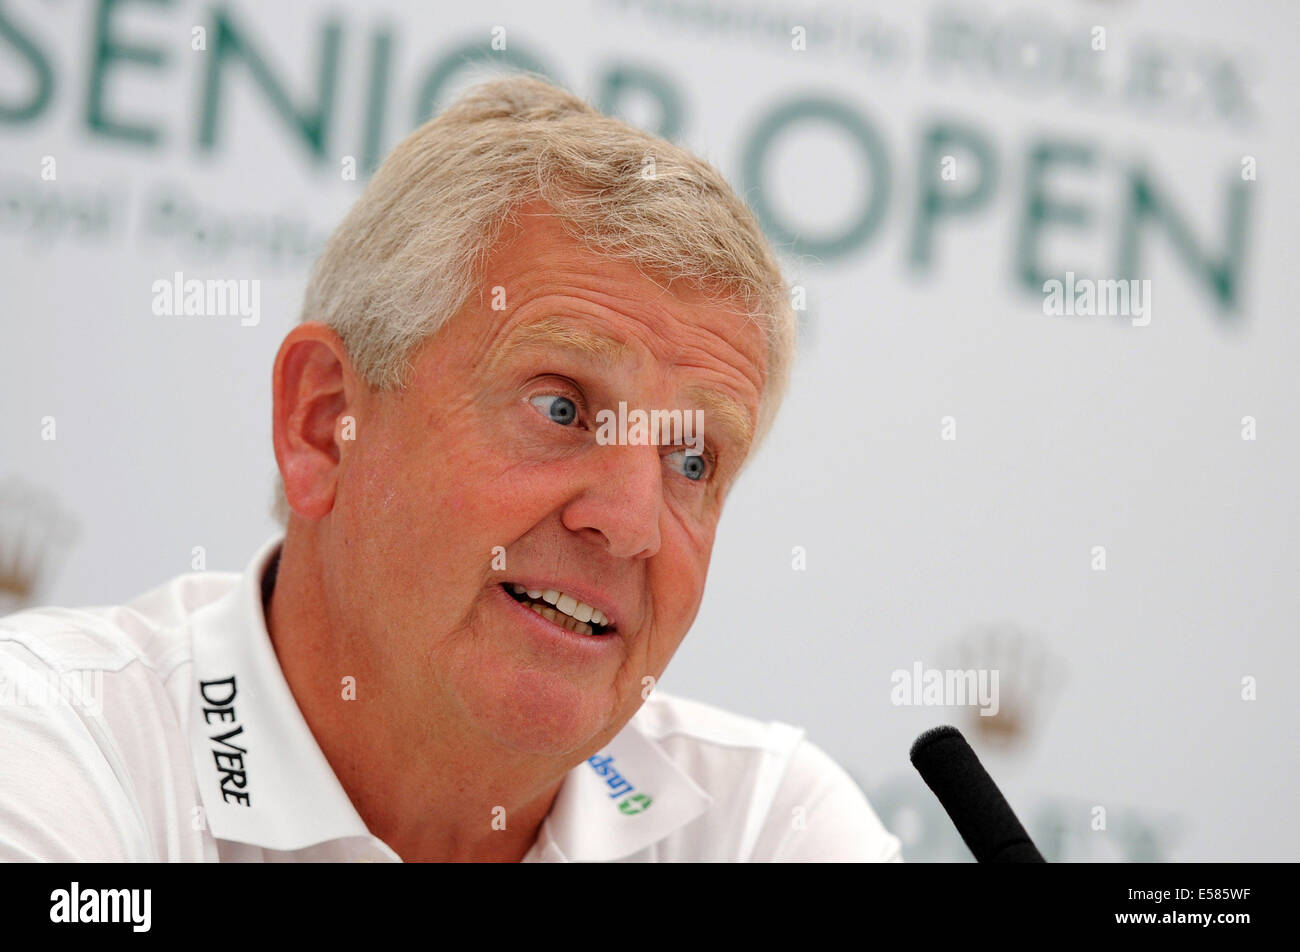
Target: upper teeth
<point>565,603</point>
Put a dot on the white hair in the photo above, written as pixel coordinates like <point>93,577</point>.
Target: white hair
<point>410,251</point>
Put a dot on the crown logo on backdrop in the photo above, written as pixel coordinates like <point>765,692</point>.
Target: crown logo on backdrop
<point>1030,677</point>
<point>34,535</point>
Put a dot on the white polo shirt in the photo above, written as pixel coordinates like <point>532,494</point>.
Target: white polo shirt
<point>120,740</point>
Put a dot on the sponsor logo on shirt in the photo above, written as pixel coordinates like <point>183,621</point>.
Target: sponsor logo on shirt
<point>619,786</point>
<point>228,755</point>
<point>637,803</point>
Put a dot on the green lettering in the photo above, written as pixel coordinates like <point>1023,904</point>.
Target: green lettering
<point>619,80</point>
<point>1221,275</point>
<point>946,139</point>
<point>863,134</point>
<point>1041,210</point>
<point>42,74</point>
<point>107,51</point>
<point>310,123</point>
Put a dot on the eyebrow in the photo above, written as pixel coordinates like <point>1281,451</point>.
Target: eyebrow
<point>552,333</point>
<point>724,413</point>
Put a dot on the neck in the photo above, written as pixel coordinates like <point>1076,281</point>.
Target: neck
<point>426,783</point>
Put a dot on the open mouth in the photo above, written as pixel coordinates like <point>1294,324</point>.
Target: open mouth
<point>564,610</point>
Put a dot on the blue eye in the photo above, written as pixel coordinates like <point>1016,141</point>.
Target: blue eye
<point>556,408</point>
<point>693,466</point>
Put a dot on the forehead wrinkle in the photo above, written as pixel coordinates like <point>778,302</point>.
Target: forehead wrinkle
<point>551,333</point>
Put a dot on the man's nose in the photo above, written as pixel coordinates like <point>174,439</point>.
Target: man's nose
<point>622,500</point>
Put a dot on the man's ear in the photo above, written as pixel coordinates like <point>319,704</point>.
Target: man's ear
<point>313,388</point>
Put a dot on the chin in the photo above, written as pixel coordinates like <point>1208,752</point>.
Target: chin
<point>542,713</point>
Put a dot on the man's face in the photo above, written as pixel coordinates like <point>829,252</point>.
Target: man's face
<point>490,458</point>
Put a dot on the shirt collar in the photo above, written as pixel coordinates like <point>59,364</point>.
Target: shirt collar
<point>264,781</point>
<point>261,774</point>
<point>620,801</point>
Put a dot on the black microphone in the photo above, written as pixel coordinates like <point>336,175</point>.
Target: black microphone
<point>978,810</point>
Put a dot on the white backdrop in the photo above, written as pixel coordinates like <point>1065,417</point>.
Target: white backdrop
<point>1164,154</point>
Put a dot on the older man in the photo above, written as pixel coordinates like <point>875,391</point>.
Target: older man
<point>452,654</point>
